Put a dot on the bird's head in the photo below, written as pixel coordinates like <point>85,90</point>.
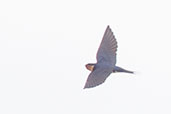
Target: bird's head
<point>90,66</point>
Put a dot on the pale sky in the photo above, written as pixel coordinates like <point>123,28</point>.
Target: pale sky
<point>45,44</point>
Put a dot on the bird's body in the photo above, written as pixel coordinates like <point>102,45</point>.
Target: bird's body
<point>106,60</point>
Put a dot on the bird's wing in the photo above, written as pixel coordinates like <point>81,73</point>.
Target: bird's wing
<point>97,77</point>
<point>108,48</point>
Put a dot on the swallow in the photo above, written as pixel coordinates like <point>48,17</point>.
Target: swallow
<point>106,61</point>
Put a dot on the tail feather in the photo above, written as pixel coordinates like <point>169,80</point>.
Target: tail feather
<point>127,71</point>
<point>119,69</point>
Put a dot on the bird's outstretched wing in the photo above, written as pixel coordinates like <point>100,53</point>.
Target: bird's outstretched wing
<point>108,48</point>
<point>97,77</point>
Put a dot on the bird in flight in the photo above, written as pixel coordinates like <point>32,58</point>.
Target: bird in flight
<point>106,61</point>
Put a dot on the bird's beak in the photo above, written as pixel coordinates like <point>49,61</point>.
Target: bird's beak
<point>90,67</point>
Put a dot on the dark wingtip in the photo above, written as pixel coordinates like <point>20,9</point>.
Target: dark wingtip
<point>85,87</point>
<point>89,87</point>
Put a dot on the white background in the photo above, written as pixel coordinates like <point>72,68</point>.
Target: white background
<point>44,45</point>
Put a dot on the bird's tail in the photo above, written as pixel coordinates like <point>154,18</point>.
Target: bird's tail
<point>127,71</point>
<point>119,69</point>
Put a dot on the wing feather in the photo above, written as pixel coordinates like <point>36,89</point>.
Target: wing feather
<point>108,47</point>
<point>97,77</point>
